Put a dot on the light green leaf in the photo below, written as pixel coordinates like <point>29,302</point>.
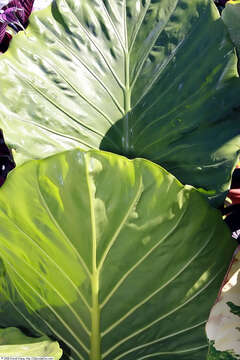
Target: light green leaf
<point>14,343</point>
<point>231,17</point>
<point>144,78</point>
<point>114,257</point>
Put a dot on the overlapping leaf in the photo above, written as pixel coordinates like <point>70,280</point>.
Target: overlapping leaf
<point>231,17</point>
<point>149,78</point>
<point>13,343</point>
<point>111,256</point>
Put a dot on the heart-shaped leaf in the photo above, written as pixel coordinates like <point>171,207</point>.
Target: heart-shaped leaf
<point>144,78</point>
<point>113,257</point>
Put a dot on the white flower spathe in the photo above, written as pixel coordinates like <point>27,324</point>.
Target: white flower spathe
<point>40,4</point>
<point>3,3</point>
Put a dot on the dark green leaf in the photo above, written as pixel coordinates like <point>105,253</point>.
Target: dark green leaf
<point>144,78</point>
<point>235,309</point>
<point>219,355</point>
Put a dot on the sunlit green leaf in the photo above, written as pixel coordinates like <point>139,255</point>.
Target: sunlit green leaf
<point>144,78</point>
<point>14,343</point>
<point>114,257</point>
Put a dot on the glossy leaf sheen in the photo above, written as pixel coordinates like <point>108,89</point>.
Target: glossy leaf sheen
<point>114,257</point>
<point>135,77</point>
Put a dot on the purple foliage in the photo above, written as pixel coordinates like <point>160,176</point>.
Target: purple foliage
<point>14,14</point>
<point>2,31</point>
<point>221,4</point>
<point>6,159</point>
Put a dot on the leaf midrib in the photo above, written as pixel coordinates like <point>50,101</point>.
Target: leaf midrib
<point>95,352</point>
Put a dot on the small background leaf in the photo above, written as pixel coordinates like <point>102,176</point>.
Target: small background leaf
<point>14,343</point>
<point>231,17</point>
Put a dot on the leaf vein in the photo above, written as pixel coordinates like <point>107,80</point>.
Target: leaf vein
<point>140,66</point>
<point>121,225</point>
<point>158,340</point>
<point>55,290</point>
<point>55,104</point>
<point>166,315</point>
<point>139,23</point>
<point>173,352</point>
<point>112,24</point>
<point>50,308</point>
<point>52,217</point>
<point>149,297</point>
<point>125,276</point>
<point>89,36</point>
<point>67,48</point>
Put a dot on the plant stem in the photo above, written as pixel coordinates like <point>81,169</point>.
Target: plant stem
<point>127,105</point>
<point>95,334</point>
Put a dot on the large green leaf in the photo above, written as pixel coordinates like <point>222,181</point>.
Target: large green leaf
<point>112,256</point>
<point>14,343</point>
<point>144,78</point>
